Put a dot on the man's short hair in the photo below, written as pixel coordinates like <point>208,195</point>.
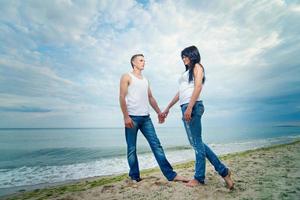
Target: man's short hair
<point>133,57</point>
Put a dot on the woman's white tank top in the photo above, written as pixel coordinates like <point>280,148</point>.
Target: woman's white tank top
<point>186,89</point>
<point>137,96</point>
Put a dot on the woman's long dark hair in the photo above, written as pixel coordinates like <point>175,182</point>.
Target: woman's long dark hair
<point>193,54</point>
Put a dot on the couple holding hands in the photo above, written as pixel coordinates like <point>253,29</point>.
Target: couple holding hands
<point>135,96</point>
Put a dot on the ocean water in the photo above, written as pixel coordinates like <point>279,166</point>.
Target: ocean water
<point>30,157</point>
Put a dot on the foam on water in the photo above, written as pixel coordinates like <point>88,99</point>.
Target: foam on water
<point>24,176</point>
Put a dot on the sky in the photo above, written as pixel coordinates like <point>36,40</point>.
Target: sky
<point>61,60</point>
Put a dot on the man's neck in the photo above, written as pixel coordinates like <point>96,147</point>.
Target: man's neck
<point>137,72</point>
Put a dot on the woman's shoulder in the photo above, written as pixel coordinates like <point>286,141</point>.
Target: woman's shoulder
<point>198,66</point>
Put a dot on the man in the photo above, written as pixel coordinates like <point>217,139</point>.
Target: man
<point>135,96</point>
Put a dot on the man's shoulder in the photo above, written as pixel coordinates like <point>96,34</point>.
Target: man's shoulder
<point>125,76</point>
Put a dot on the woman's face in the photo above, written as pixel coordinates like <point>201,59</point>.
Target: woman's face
<point>186,60</point>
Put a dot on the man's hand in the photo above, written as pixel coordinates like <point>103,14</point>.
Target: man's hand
<point>128,122</point>
<point>188,114</point>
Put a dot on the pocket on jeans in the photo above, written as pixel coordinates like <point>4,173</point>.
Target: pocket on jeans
<point>198,110</point>
<point>134,124</point>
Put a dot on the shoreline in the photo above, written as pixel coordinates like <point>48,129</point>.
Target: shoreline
<point>56,190</point>
<point>175,156</point>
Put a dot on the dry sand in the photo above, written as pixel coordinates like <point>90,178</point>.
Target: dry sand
<point>267,173</point>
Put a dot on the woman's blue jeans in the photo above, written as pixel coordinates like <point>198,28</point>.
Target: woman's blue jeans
<point>194,132</point>
<point>144,124</point>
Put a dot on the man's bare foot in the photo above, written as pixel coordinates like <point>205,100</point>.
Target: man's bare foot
<point>180,178</point>
<point>229,181</point>
<point>193,183</point>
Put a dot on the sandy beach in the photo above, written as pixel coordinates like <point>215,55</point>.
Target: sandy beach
<point>266,173</point>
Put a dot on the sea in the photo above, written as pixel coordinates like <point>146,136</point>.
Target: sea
<point>36,157</point>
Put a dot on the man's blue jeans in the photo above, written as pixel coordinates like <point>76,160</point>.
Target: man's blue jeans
<point>144,124</point>
<point>194,132</point>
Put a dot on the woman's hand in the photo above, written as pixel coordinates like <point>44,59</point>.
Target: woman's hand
<point>188,114</point>
<point>166,112</point>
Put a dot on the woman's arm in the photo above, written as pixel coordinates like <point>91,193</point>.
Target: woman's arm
<point>171,104</point>
<point>198,76</point>
<point>174,101</point>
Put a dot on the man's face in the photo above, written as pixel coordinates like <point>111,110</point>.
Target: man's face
<point>139,62</point>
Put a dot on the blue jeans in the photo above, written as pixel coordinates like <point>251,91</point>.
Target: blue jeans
<point>194,132</point>
<point>144,124</point>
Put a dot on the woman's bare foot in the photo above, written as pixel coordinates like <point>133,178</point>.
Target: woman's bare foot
<point>193,183</point>
<point>229,181</point>
<point>180,178</point>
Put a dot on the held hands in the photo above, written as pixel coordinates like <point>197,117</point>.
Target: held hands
<point>162,116</point>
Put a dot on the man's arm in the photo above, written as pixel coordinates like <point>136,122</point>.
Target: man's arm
<point>124,83</point>
<point>153,102</point>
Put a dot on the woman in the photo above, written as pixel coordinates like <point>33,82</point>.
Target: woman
<point>190,85</point>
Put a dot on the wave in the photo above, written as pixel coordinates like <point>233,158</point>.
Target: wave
<point>11,159</point>
<point>39,174</point>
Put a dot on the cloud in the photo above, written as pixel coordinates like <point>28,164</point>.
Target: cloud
<point>24,109</point>
<point>66,57</point>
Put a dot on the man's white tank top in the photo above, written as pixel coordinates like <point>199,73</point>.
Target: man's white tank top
<point>137,96</point>
<point>186,89</point>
